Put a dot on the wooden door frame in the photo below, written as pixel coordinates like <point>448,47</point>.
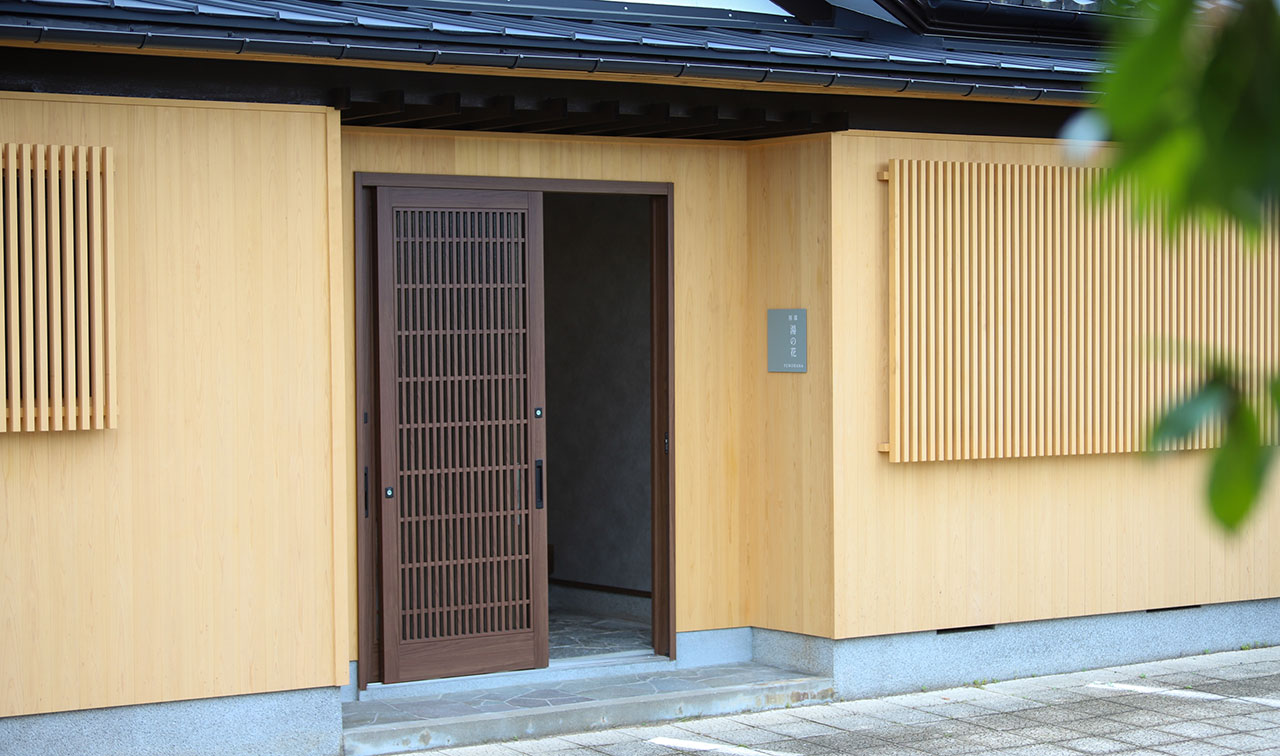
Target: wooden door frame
<point>662,211</point>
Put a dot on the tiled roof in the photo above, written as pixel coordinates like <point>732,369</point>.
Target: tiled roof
<point>578,35</point>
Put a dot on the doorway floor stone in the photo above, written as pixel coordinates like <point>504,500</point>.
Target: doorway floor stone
<point>574,634</point>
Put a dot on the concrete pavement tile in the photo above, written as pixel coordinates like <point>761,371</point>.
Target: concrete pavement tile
<point>952,728</point>
<point>492,749</point>
<point>821,713</point>
<point>912,733</point>
<point>956,710</point>
<point>1004,703</point>
<point>1002,721</point>
<point>1240,722</point>
<point>1145,718</point>
<point>995,739</point>
<point>600,737</point>
<point>1056,696</point>
<point>859,723</point>
<point>1273,734</point>
<point>845,742</point>
<point>1095,745</point>
<point>889,750</point>
<point>1046,733</point>
<point>903,715</point>
<point>636,748</point>
<point>1193,748</point>
<point>1097,726</point>
<point>935,697</point>
<point>1241,741</point>
<point>749,737</point>
<point>1180,679</point>
<point>709,725</point>
<point>1146,738</point>
<point>544,745</point>
<point>947,746</point>
<point>1194,729</point>
<point>1043,749</point>
<point>1237,706</point>
<point>1246,671</point>
<point>766,718</point>
<point>1053,714</point>
<point>801,729</point>
<point>793,747</point>
<point>1272,716</point>
<point>1102,708</point>
<point>653,731</point>
<point>872,707</point>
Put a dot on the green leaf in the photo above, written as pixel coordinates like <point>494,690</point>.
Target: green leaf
<point>1239,469</point>
<point>1211,398</point>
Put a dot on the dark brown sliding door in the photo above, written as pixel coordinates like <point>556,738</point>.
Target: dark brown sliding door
<point>462,440</point>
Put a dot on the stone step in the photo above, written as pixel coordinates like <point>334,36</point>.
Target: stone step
<point>498,714</point>
<point>560,670</point>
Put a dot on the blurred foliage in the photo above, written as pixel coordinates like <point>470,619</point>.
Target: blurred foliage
<point>1192,100</point>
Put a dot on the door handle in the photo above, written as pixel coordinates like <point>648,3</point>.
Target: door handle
<point>537,485</point>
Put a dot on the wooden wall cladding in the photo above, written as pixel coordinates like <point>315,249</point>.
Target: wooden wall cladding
<point>978,542</point>
<point>1027,319</point>
<point>196,550</point>
<point>57,299</point>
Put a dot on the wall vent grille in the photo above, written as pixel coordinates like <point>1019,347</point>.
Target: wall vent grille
<point>1027,320</point>
<point>57,288</point>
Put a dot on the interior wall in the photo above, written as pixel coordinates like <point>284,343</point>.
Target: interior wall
<point>596,265</point>
<point>194,550</point>
<point>933,545</point>
<point>712,406</point>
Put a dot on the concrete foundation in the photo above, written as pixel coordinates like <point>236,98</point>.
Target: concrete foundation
<point>288,723</point>
<point>906,662</point>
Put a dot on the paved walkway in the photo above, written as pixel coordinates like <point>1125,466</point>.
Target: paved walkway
<point>1211,705</point>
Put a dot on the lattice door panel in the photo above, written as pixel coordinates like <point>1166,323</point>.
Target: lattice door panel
<point>464,538</point>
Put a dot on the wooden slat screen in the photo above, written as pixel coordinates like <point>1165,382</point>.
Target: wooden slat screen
<point>1027,320</point>
<point>57,301</point>
<point>463,429</point>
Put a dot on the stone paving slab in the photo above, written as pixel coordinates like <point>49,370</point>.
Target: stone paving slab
<point>1210,705</point>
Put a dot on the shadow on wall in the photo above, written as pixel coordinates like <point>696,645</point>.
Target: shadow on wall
<point>597,252</point>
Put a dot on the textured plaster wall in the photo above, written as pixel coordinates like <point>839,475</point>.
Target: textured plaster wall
<point>598,365</point>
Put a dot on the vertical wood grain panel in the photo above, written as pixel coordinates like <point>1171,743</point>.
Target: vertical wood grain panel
<point>40,224</point>
<point>215,497</point>
<point>59,232</point>
<point>26,294</point>
<point>9,304</point>
<point>56,218</point>
<point>1076,283</point>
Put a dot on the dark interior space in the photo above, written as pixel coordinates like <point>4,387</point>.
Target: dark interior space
<point>597,252</point>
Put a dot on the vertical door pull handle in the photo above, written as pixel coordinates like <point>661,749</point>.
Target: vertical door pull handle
<point>537,484</point>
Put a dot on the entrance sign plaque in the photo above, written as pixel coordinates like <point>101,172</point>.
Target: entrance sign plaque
<point>788,341</point>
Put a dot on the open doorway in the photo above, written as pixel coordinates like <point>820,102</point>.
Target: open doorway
<point>453,408</point>
<point>599,369</point>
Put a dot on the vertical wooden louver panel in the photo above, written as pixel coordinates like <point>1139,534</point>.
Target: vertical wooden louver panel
<point>57,338</point>
<point>465,570</point>
<point>1028,320</point>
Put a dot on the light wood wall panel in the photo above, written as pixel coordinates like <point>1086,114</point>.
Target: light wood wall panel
<point>960,543</point>
<point>57,356</point>
<point>713,408</point>
<point>787,519</point>
<point>190,551</point>
<point>1026,319</point>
